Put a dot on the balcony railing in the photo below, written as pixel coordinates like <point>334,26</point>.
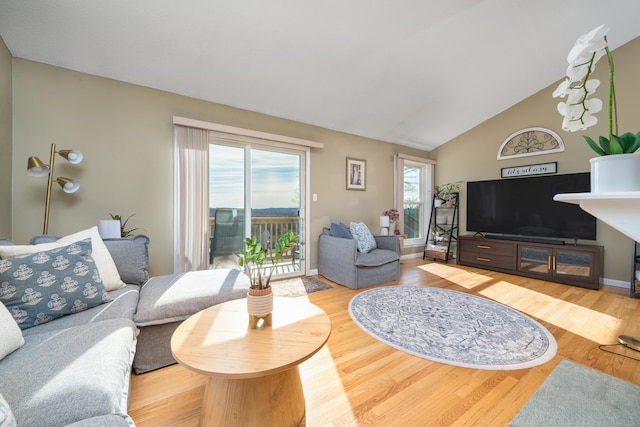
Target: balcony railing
<point>266,229</point>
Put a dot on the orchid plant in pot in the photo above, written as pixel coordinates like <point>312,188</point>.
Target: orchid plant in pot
<point>618,167</point>
<point>252,259</point>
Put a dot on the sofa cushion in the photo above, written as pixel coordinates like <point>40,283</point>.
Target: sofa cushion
<point>122,306</point>
<point>6,416</point>
<point>340,230</point>
<point>11,337</point>
<point>70,375</point>
<point>174,297</point>
<point>363,237</point>
<point>43,286</point>
<point>131,256</point>
<point>376,257</point>
<point>104,262</point>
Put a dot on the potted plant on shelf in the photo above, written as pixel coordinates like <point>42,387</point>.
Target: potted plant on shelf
<point>618,167</point>
<point>446,191</point>
<point>260,294</point>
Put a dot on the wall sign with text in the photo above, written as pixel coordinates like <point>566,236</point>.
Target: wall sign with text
<point>540,169</point>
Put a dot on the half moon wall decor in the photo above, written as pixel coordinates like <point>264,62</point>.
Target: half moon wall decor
<point>530,142</point>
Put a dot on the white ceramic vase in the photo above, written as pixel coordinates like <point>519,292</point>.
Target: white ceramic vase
<point>615,173</point>
<point>260,303</point>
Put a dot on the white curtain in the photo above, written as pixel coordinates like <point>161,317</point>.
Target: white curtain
<point>191,199</point>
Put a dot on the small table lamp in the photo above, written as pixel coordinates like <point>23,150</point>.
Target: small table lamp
<point>384,225</point>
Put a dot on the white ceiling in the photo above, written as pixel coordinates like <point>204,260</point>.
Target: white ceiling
<point>412,72</point>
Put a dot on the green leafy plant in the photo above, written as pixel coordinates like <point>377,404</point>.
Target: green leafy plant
<point>254,256</point>
<point>444,191</point>
<point>578,109</point>
<point>123,225</point>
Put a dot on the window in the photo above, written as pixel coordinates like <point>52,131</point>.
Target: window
<point>414,184</point>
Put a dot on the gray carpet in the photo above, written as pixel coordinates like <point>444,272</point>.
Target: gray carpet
<point>298,287</point>
<point>452,327</point>
<point>574,395</point>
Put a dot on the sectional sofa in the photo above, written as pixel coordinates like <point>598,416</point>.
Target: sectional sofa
<point>72,368</point>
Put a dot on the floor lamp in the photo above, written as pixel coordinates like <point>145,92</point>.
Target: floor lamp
<point>35,167</point>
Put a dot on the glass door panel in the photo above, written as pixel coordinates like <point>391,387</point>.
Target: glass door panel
<point>255,192</point>
<point>573,263</point>
<point>534,260</point>
<point>226,204</point>
<point>276,207</point>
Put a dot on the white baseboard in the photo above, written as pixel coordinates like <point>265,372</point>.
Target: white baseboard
<point>618,283</point>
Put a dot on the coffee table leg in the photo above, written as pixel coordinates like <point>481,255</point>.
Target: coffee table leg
<point>273,400</point>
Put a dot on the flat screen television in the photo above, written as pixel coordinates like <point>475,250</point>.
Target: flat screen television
<point>525,207</point>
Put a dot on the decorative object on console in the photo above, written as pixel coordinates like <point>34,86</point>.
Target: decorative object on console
<point>530,142</point>
<point>394,216</point>
<point>384,225</point>
<point>607,174</point>
<point>356,174</point>
<point>260,295</point>
<point>35,167</point>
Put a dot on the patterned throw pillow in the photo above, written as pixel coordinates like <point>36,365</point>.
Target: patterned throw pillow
<point>363,236</point>
<point>41,287</point>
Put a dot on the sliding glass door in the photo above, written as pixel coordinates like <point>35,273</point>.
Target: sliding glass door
<point>255,191</point>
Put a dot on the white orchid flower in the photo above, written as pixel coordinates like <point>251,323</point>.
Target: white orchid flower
<point>593,105</point>
<point>587,44</point>
<point>562,89</point>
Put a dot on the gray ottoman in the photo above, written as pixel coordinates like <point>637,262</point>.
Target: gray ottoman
<point>165,301</point>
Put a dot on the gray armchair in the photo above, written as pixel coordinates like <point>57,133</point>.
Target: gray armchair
<point>340,261</point>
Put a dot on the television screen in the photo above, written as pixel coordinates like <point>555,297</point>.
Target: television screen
<point>525,207</point>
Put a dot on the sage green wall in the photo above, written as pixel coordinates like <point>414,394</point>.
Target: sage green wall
<point>472,156</point>
<point>5,140</point>
<point>126,134</point>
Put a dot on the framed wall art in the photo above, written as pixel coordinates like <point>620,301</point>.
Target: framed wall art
<point>530,142</point>
<point>356,174</point>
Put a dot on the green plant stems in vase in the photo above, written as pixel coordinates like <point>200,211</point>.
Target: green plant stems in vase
<point>252,258</point>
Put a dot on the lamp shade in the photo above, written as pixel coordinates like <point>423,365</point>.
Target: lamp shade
<point>68,185</point>
<point>73,156</point>
<point>384,221</point>
<point>35,167</point>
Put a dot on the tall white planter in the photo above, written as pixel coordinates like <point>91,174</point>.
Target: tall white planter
<point>615,173</point>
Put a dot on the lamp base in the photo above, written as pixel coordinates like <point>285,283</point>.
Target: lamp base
<point>384,231</point>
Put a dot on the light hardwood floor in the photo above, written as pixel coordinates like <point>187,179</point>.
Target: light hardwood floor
<point>356,380</point>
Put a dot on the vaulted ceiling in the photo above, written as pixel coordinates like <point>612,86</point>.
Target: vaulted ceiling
<point>412,72</point>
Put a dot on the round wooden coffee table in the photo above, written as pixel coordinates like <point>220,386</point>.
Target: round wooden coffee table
<point>253,373</point>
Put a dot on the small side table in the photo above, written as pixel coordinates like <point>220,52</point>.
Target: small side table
<point>253,373</point>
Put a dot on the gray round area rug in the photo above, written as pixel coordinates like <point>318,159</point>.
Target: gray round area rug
<point>452,327</point>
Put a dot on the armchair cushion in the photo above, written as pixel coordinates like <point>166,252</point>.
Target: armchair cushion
<point>376,258</point>
<point>340,230</point>
<point>363,236</point>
